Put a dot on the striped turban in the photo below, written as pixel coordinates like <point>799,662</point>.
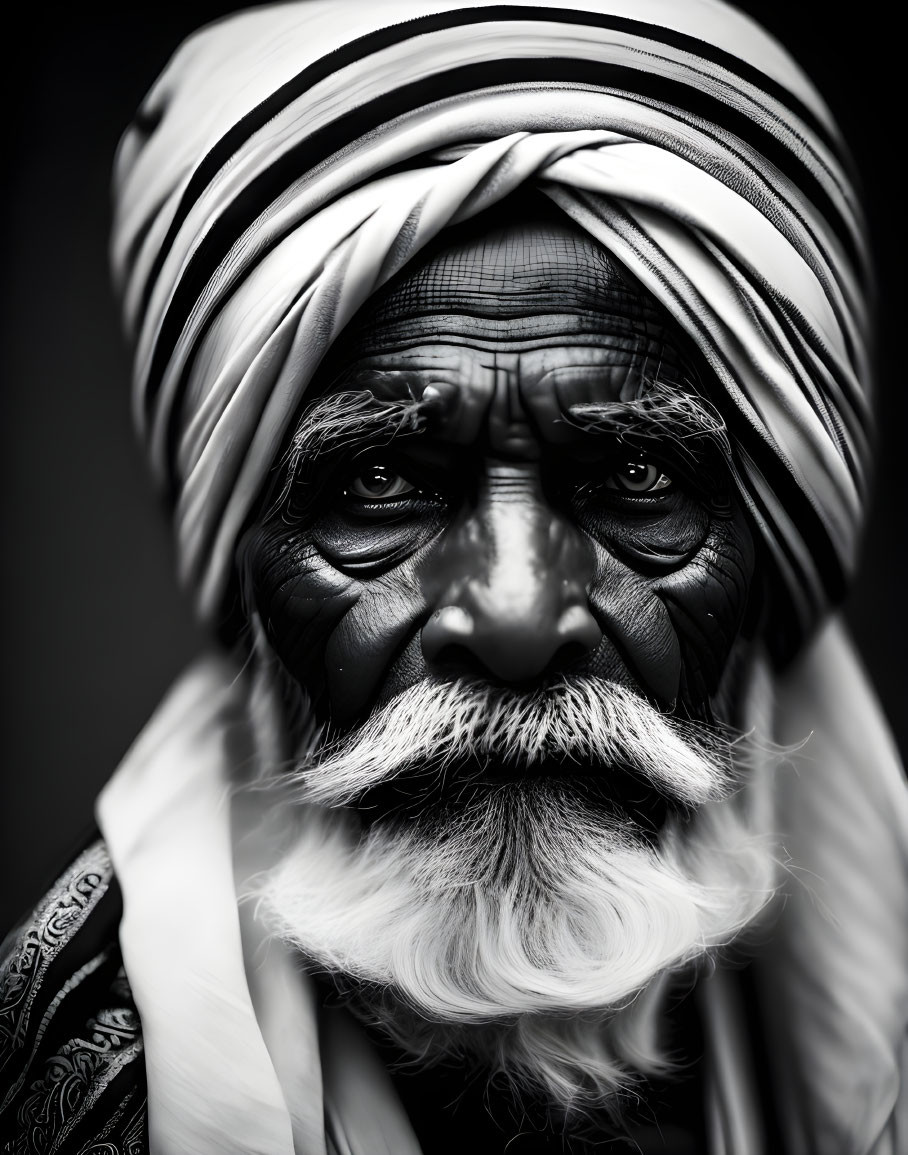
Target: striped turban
<point>291,159</point>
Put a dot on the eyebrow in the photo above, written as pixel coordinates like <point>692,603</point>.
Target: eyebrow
<point>689,423</point>
<point>346,420</point>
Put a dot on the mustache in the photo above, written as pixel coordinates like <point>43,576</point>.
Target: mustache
<point>581,720</point>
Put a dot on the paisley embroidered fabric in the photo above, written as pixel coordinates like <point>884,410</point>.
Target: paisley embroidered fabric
<point>72,1072</point>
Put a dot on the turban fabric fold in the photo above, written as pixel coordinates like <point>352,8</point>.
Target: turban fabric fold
<point>291,159</point>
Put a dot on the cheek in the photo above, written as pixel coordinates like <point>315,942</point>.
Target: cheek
<point>335,634</point>
<point>674,624</point>
<point>635,546</point>
<point>706,600</point>
<point>300,600</point>
<point>637,624</point>
<point>366,643</point>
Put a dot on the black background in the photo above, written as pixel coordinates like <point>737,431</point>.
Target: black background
<point>93,629</point>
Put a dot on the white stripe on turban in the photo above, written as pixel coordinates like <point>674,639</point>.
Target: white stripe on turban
<point>291,159</point>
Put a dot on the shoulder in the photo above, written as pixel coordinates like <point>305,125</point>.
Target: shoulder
<point>72,1074</point>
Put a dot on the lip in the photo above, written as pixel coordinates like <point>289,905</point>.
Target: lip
<point>612,794</point>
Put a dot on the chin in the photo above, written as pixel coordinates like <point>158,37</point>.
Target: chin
<point>526,929</point>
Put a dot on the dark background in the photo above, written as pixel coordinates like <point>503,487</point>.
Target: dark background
<point>93,629</point>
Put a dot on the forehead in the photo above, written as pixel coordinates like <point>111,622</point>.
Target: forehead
<point>516,324</point>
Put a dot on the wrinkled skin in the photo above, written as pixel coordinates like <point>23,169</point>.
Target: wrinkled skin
<point>531,517</point>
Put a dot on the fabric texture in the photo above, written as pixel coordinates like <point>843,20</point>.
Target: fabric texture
<point>72,1069</point>
<point>291,159</point>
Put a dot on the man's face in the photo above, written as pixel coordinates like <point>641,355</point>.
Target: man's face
<point>507,567</point>
<point>508,477</point>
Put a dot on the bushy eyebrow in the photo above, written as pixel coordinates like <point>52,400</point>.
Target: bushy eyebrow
<point>344,421</point>
<point>688,423</point>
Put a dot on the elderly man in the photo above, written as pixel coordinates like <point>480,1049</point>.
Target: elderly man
<point>505,368</point>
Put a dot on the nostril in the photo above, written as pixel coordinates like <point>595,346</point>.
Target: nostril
<point>458,661</point>
<point>570,654</point>
<point>493,664</point>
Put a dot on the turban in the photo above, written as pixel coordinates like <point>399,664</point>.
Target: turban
<point>291,159</point>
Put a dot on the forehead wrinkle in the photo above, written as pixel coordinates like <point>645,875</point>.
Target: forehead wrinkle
<point>518,334</point>
<point>519,269</point>
<point>514,277</point>
<point>398,402</point>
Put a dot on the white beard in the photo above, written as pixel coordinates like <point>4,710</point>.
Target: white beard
<point>528,927</point>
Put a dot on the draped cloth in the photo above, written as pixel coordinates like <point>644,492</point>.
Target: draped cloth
<point>292,159</point>
<point>238,1063</point>
<point>288,162</point>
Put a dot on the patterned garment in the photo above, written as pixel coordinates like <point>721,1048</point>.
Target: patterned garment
<point>72,1072</point>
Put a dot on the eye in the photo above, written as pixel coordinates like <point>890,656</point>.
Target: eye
<point>638,476</point>
<point>378,483</point>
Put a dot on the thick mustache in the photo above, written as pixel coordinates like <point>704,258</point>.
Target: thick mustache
<point>581,719</point>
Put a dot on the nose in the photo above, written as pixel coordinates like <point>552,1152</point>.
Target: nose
<point>510,587</point>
